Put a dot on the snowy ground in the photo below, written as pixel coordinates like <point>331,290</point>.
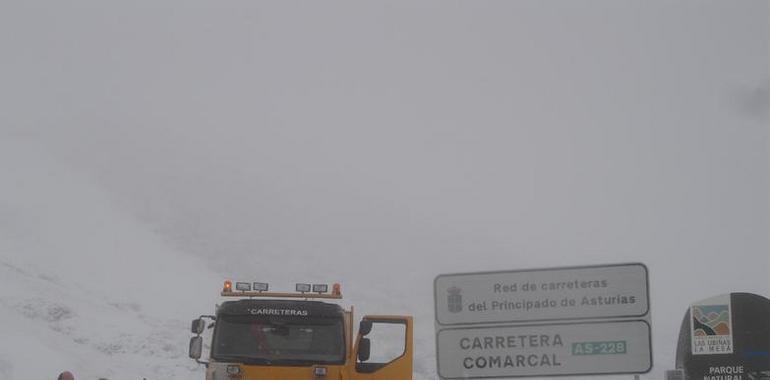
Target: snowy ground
<point>83,285</point>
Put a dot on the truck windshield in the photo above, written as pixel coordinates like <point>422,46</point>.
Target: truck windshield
<point>279,340</point>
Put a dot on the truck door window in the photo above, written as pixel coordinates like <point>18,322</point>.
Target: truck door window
<point>388,343</point>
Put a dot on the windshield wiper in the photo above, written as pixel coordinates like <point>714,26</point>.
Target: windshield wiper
<point>262,361</point>
<point>244,359</point>
<point>305,362</point>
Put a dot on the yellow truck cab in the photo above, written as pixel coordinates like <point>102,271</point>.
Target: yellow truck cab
<point>304,335</point>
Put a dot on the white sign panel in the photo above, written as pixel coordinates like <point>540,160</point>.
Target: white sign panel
<point>544,350</point>
<point>579,293</point>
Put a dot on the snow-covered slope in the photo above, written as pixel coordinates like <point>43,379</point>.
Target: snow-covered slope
<point>85,286</point>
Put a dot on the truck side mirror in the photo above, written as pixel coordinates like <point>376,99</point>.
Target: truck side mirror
<point>197,326</point>
<point>365,327</point>
<point>196,347</point>
<point>364,349</point>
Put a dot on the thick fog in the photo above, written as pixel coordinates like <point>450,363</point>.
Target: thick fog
<point>380,144</point>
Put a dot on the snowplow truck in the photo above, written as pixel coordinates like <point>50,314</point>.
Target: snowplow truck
<point>301,335</point>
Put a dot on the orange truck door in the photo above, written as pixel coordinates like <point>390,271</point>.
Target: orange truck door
<point>384,349</point>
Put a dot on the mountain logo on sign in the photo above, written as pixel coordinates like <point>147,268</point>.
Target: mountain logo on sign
<point>711,320</point>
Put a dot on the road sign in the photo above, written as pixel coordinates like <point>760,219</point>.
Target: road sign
<point>590,320</point>
<point>577,293</point>
<point>725,337</point>
<point>544,350</point>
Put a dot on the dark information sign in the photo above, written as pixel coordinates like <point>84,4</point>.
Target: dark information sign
<point>725,338</point>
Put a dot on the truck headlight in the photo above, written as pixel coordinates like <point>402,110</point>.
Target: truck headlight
<point>319,371</point>
<point>233,370</point>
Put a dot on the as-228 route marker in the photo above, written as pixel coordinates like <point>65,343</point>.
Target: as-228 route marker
<point>545,322</point>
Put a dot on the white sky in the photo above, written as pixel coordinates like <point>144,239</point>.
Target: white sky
<point>396,141</point>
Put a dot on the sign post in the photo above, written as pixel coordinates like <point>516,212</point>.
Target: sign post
<point>549,322</point>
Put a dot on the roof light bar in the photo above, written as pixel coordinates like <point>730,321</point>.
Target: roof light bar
<point>243,286</point>
<point>320,288</point>
<point>261,289</point>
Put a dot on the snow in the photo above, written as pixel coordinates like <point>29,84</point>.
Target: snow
<point>84,285</point>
